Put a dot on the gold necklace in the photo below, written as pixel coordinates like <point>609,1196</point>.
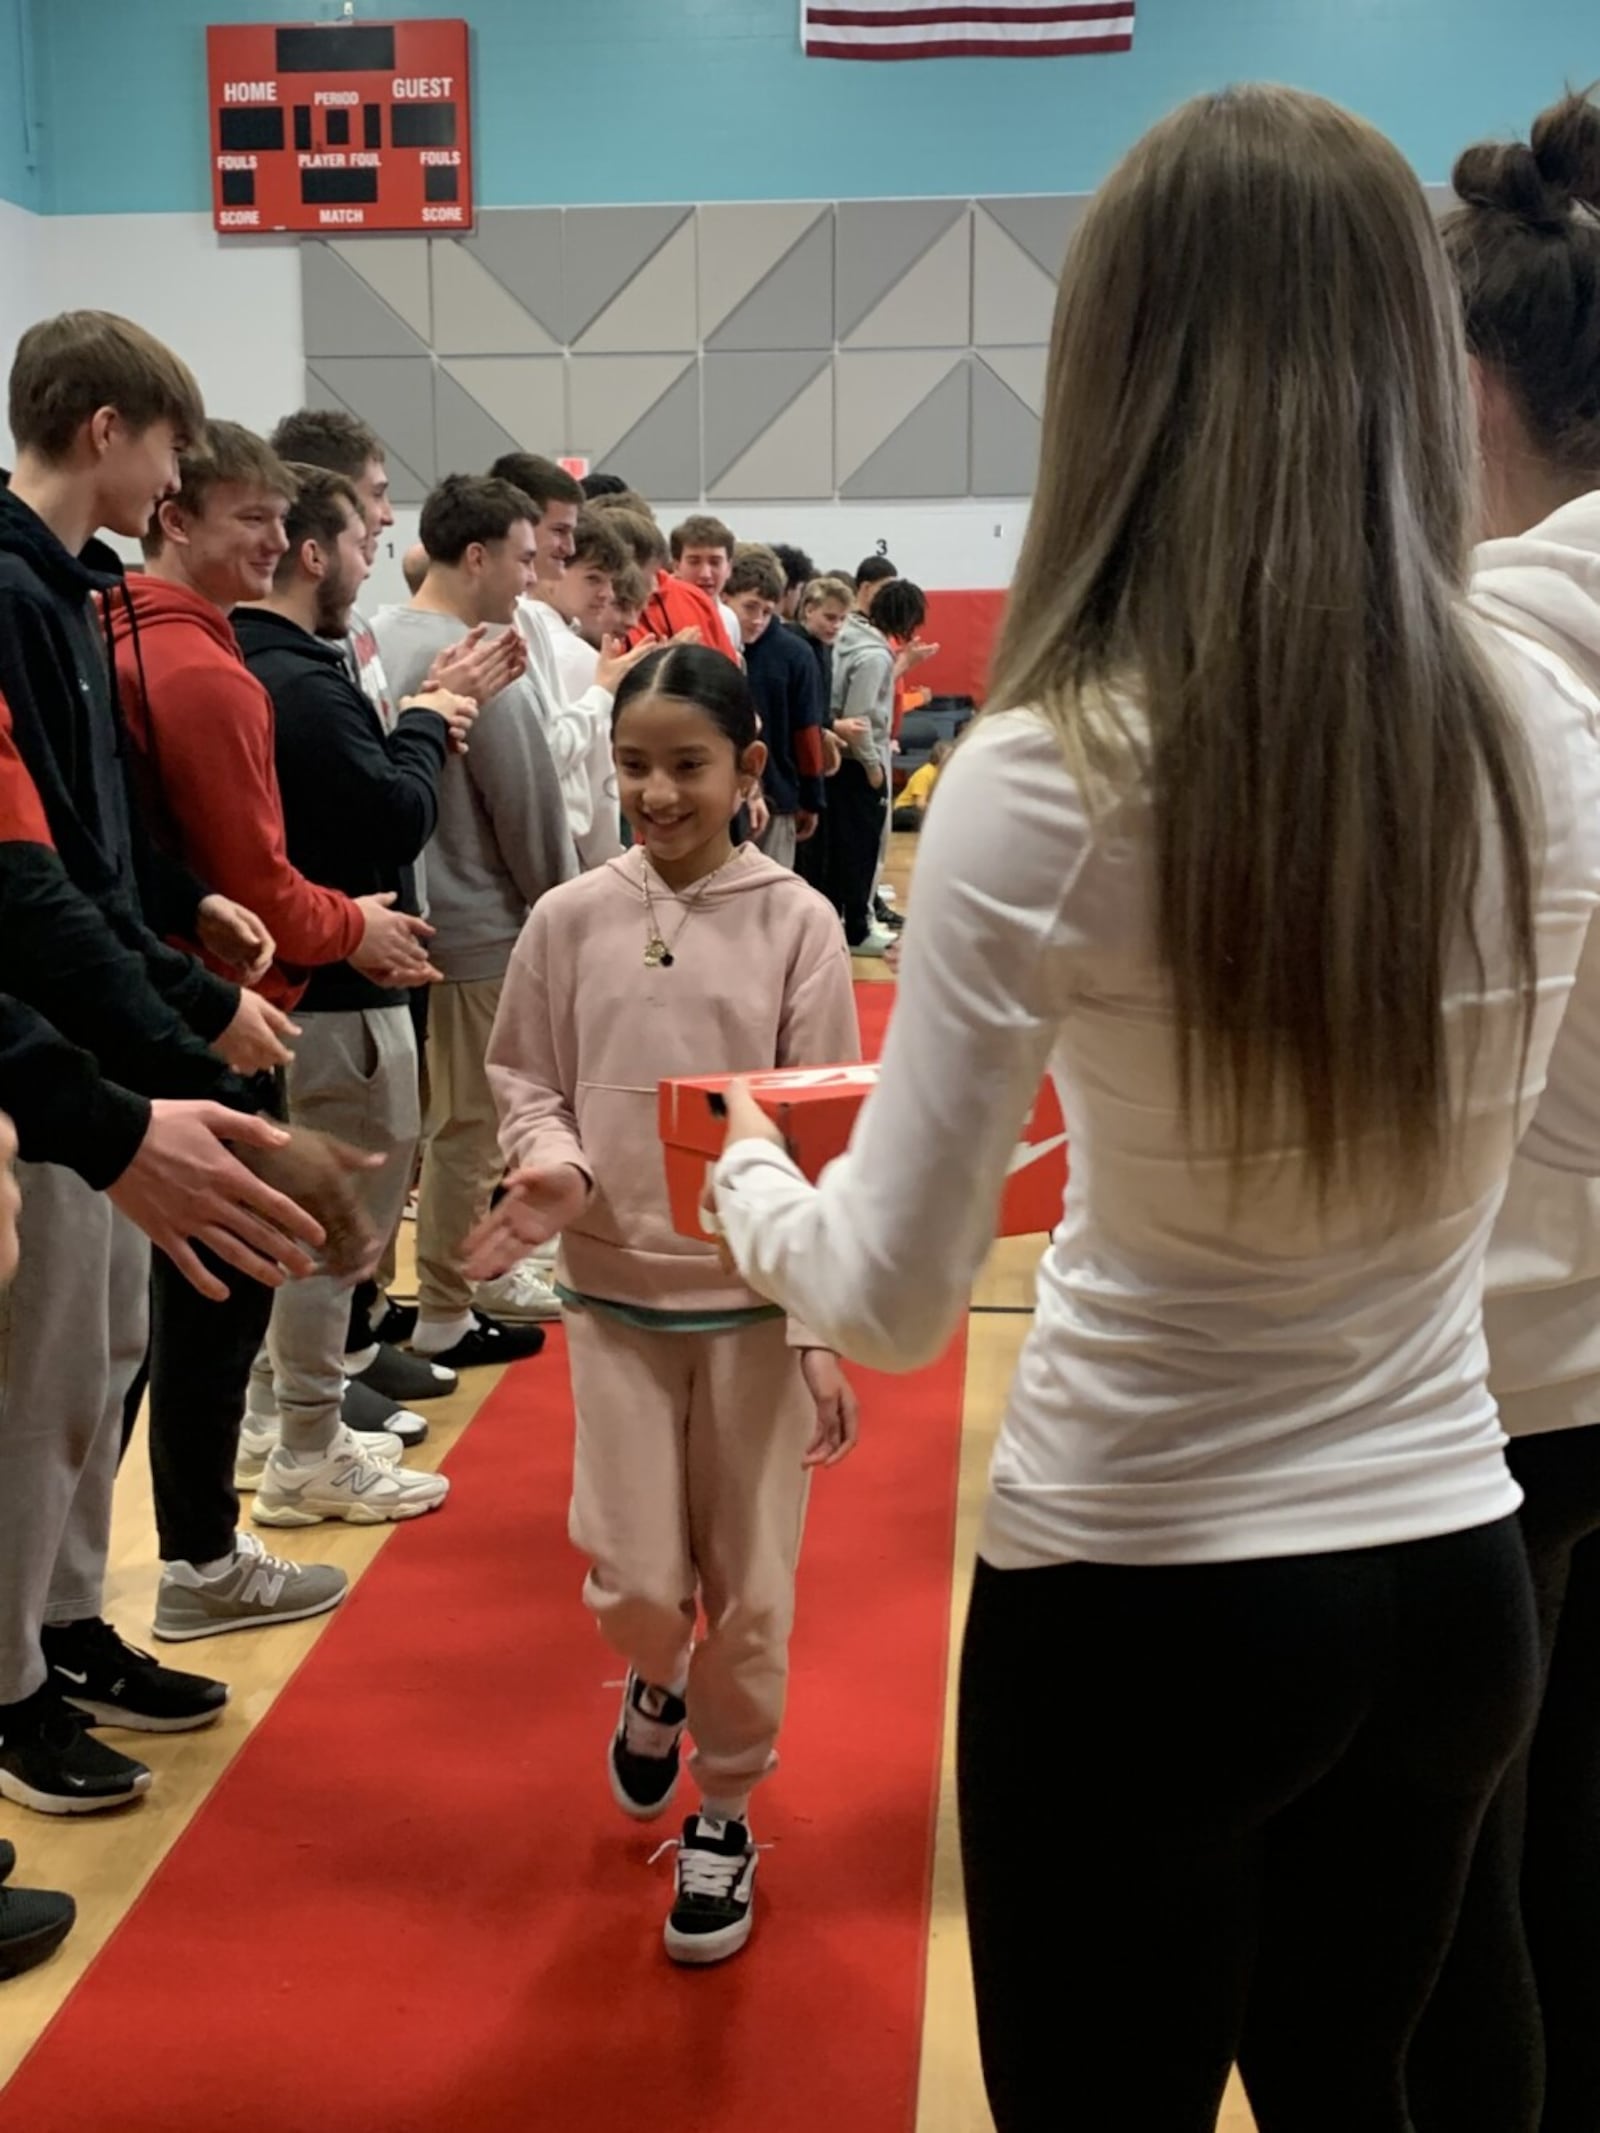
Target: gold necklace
<point>658,952</point>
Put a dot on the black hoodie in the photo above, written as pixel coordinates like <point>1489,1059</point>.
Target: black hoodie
<point>74,946</point>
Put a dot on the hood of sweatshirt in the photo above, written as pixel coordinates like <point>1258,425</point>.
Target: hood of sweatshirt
<point>155,612</point>
<point>1545,583</point>
<point>72,578</point>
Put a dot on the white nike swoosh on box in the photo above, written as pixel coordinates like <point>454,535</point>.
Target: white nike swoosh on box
<point>1027,1152</point>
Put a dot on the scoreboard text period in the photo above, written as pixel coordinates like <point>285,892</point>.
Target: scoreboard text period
<point>342,126</point>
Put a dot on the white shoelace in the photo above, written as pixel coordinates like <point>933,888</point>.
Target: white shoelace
<point>275,1564</point>
<point>703,1873</point>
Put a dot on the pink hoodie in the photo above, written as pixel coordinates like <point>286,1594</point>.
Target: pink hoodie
<point>586,1032</point>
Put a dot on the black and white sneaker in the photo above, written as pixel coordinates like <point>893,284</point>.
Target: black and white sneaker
<point>713,1908</point>
<point>113,1684</point>
<point>491,1341</point>
<point>399,1376</point>
<point>643,1756</point>
<point>51,1763</point>
<point>886,916</point>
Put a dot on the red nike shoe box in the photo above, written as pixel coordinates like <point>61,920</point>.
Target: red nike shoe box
<point>815,1109</point>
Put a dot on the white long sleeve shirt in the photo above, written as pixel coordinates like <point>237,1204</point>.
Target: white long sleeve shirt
<point>1205,1379</point>
<point>573,725</point>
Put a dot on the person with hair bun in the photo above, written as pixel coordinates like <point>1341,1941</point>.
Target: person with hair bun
<point>1517,2010</point>
<point>1283,864</point>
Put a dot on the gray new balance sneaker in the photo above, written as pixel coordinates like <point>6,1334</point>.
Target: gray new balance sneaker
<point>254,1592</point>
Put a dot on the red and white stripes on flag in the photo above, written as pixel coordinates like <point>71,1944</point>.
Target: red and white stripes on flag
<point>964,29</point>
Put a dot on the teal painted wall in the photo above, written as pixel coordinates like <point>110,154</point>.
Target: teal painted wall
<point>638,100</point>
<point>18,180</point>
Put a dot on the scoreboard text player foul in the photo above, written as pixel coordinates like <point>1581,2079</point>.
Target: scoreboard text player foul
<point>330,127</point>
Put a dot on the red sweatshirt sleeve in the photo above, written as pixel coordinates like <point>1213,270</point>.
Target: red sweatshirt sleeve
<point>22,818</point>
<point>209,756</point>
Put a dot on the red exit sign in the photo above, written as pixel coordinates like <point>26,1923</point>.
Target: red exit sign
<point>338,127</point>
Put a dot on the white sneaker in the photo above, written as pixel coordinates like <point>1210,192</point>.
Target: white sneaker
<point>876,945</point>
<point>350,1483</point>
<point>524,1297</point>
<point>256,1447</point>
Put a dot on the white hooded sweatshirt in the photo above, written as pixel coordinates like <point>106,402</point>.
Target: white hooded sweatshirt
<point>1542,1279</point>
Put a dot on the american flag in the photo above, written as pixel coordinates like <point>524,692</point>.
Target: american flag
<point>964,29</point>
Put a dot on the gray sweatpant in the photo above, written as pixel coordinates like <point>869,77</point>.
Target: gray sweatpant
<point>778,840</point>
<point>73,1327</point>
<point>354,1076</point>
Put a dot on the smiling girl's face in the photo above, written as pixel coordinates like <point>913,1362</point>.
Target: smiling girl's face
<point>681,780</point>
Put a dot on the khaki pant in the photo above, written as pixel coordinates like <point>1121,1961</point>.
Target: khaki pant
<point>461,1162</point>
<point>354,1076</point>
<point>688,1496</point>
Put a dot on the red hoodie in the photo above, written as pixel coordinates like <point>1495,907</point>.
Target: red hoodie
<point>202,733</point>
<point>675,606</point>
<point>22,817</point>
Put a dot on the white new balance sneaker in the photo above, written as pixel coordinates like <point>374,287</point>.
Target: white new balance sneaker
<point>256,1447</point>
<point>350,1483</point>
<point>524,1297</point>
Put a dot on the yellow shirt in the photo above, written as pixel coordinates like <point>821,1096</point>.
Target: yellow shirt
<point>918,788</point>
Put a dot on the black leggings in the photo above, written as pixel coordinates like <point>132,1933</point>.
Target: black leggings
<point>1528,1945</point>
<point>1226,1811</point>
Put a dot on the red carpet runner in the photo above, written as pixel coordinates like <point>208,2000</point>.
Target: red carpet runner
<point>410,1906</point>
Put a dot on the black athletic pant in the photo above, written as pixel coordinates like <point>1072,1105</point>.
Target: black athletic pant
<point>855,840</point>
<point>1226,1811</point>
<point>1511,2039</point>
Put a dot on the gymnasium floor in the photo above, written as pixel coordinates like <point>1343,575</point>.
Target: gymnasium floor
<point>107,1860</point>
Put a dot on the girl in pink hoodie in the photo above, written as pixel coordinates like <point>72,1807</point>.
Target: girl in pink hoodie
<point>700,1408</point>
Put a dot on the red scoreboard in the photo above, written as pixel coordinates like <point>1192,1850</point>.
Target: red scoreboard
<point>337,126</point>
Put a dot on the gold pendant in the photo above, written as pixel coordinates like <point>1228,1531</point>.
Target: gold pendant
<point>655,952</point>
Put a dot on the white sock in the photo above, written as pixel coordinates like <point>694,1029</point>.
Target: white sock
<point>359,1359</point>
<point>216,1569</point>
<point>434,1335</point>
<point>725,1810</point>
<point>308,1454</point>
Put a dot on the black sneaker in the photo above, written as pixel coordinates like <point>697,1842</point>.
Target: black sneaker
<point>49,1762</point>
<point>404,1378</point>
<point>886,915</point>
<point>643,1756</point>
<point>33,1924</point>
<point>367,1412</point>
<point>112,1684</point>
<point>491,1341</point>
<point>713,1908</point>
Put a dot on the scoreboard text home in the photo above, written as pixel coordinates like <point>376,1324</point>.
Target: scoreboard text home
<point>330,127</point>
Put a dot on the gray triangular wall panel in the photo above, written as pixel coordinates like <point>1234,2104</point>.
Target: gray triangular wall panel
<point>394,395</point>
<point>660,455</point>
<point>406,485</point>
<point>343,316</point>
<point>792,305</point>
<point>521,247</point>
<point>743,394</point>
<point>928,455</point>
<point>602,250</point>
<point>877,241</point>
<point>467,437</point>
<point>1005,437</point>
<point>1042,224</point>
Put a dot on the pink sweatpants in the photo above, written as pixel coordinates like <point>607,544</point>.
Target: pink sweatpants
<point>689,1496</point>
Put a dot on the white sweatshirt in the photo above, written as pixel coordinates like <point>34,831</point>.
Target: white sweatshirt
<point>572,725</point>
<point>1203,1381</point>
<point>1542,1283</point>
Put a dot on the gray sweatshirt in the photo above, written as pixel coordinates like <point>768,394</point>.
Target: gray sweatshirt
<point>863,687</point>
<point>502,838</point>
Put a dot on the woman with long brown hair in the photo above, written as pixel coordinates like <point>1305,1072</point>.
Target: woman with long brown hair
<point>1283,866</point>
<point>1512,2037</point>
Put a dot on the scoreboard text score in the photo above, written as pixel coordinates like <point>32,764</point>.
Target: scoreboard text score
<point>333,127</point>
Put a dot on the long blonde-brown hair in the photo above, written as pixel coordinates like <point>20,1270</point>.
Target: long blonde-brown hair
<point>1241,584</point>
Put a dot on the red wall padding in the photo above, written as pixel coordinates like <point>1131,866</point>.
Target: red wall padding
<point>963,625</point>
